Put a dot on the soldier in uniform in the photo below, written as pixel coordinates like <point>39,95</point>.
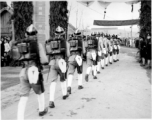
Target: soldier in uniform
<point>56,49</point>
<point>115,48</point>
<point>118,48</point>
<point>102,50</point>
<point>107,49</point>
<point>110,50</point>
<point>75,59</point>
<point>99,53</point>
<point>33,57</point>
<point>92,46</point>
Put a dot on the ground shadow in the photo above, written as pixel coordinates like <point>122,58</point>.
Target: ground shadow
<point>148,72</point>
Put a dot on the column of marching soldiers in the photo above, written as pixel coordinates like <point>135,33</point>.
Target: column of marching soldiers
<point>65,56</point>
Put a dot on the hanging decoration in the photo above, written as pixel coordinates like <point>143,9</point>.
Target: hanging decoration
<point>104,5</point>
<point>86,3</point>
<point>116,22</point>
<point>132,4</point>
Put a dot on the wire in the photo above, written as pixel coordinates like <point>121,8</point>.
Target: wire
<point>99,13</point>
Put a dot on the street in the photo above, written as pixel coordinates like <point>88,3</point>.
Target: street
<point>122,91</point>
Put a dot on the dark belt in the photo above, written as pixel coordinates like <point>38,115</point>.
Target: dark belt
<point>91,49</point>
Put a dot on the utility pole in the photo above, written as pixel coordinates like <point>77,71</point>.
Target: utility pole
<point>76,17</point>
<point>131,32</point>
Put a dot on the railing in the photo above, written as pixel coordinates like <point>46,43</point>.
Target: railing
<point>6,30</point>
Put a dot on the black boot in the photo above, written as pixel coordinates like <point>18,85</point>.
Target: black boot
<point>80,87</point>
<point>43,112</point>
<point>98,72</point>
<point>95,77</point>
<point>65,96</point>
<point>51,104</point>
<point>102,67</point>
<point>69,90</point>
<point>86,77</point>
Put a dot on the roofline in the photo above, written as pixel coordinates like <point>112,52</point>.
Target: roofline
<point>6,9</point>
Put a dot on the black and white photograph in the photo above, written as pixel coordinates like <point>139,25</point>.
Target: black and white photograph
<point>75,59</point>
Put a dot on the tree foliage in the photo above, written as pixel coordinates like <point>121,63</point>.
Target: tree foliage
<point>58,16</point>
<point>2,5</point>
<point>145,18</point>
<point>23,14</point>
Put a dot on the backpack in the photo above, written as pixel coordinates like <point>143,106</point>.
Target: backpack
<point>55,46</point>
<point>75,44</point>
<point>29,49</point>
<point>91,42</point>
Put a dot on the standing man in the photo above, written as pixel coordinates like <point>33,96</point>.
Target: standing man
<point>92,46</point>
<point>148,48</point>
<point>75,59</point>
<point>56,49</point>
<point>33,56</point>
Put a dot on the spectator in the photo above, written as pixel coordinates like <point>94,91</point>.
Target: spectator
<point>2,47</point>
<point>143,51</point>
<point>7,46</point>
<point>7,51</point>
<point>148,50</point>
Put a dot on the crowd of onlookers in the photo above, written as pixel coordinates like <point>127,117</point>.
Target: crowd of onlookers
<point>145,51</point>
<point>144,46</point>
<point>5,50</point>
<point>129,42</point>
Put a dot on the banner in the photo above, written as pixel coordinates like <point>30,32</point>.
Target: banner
<point>115,22</point>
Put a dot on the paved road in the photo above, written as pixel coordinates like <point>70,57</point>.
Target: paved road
<point>122,90</point>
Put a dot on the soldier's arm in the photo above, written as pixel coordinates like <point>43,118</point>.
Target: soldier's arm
<point>99,42</point>
<point>42,54</point>
<point>67,48</point>
<point>83,47</point>
<point>106,45</point>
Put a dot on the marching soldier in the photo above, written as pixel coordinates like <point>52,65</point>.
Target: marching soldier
<point>106,41</point>
<point>99,54</point>
<point>101,49</point>
<point>115,48</point>
<point>56,49</point>
<point>92,46</point>
<point>110,50</point>
<point>33,56</point>
<point>103,46</point>
<point>75,59</point>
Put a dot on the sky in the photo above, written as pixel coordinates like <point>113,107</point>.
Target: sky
<point>115,11</point>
